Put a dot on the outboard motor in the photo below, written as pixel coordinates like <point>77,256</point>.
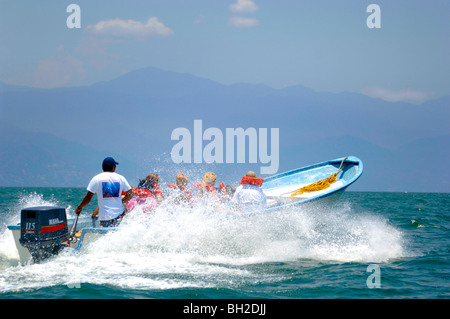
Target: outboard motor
<point>43,231</point>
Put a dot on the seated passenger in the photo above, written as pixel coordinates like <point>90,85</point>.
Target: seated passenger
<point>249,195</point>
<point>207,184</point>
<point>182,193</point>
<point>151,183</point>
<point>143,197</point>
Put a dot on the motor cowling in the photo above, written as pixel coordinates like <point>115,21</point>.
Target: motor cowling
<point>43,231</point>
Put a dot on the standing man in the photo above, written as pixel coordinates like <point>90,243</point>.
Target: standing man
<point>108,186</point>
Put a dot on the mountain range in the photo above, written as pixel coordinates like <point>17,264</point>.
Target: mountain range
<point>58,137</point>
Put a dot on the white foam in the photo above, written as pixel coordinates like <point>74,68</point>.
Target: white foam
<point>203,246</point>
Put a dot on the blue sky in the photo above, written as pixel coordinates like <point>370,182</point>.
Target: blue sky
<point>322,44</point>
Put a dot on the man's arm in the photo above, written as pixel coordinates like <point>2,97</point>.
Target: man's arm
<point>95,213</point>
<point>128,196</point>
<point>84,202</point>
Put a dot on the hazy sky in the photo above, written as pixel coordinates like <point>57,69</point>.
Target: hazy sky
<point>326,45</point>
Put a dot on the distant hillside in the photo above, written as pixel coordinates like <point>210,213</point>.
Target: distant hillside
<point>405,147</point>
<point>41,159</point>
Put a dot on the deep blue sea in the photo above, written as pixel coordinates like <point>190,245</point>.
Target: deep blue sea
<point>370,245</point>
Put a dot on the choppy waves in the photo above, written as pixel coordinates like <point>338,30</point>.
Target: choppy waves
<point>205,246</point>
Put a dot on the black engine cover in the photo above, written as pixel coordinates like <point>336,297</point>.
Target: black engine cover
<point>43,230</point>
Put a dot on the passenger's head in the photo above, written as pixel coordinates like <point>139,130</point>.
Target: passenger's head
<point>250,174</point>
<point>209,178</point>
<point>109,164</point>
<point>153,180</point>
<point>182,179</point>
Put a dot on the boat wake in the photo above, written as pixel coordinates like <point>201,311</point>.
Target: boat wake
<point>205,246</point>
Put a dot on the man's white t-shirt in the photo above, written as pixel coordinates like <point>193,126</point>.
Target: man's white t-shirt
<point>109,186</point>
<point>249,197</point>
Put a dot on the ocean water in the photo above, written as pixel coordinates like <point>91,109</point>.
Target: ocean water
<point>370,245</point>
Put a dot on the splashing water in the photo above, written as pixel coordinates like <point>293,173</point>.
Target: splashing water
<point>204,246</point>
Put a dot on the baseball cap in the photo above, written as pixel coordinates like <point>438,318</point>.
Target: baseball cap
<point>110,161</point>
